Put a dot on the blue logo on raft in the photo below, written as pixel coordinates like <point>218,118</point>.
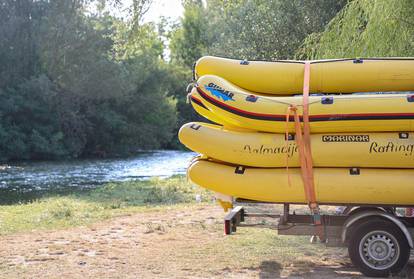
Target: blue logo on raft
<point>219,93</point>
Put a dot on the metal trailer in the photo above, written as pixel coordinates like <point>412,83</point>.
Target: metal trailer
<point>378,241</point>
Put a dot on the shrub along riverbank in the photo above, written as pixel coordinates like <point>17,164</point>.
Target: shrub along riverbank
<point>113,199</point>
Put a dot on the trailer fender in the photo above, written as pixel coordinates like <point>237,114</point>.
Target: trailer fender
<point>376,213</point>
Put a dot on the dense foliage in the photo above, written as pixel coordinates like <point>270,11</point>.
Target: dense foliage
<point>366,28</point>
<point>73,84</point>
<point>249,29</point>
<point>80,83</point>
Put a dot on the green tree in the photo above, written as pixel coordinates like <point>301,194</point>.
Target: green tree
<point>19,22</point>
<point>189,42</point>
<point>266,30</point>
<point>79,84</point>
<point>29,122</point>
<point>366,28</point>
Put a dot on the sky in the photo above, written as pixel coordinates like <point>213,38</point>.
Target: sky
<point>167,8</point>
<point>172,9</point>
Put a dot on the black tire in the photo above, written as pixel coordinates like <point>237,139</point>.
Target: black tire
<point>378,248</point>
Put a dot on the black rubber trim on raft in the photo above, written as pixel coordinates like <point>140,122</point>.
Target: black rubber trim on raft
<point>198,102</point>
<point>312,118</point>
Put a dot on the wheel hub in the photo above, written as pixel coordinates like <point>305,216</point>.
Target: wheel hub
<point>379,250</point>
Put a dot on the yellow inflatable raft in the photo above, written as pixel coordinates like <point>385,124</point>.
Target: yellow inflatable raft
<point>375,150</point>
<point>328,76</point>
<point>332,185</point>
<point>334,113</point>
<point>202,110</point>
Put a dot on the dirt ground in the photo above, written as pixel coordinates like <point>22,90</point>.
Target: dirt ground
<point>178,243</point>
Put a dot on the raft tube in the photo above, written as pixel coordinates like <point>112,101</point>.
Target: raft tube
<point>202,110</point>
<point>327,113</point>
<point>326,76</point>
<point>374,150</point>
<point>332,185</point>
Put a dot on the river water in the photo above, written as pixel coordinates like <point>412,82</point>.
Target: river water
<point>23,181</point>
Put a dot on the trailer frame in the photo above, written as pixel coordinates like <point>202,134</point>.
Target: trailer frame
<point>340,230</point>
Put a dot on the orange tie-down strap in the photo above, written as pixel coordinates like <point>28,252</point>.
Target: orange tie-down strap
<point>306,153</point>
<point>304,146</point>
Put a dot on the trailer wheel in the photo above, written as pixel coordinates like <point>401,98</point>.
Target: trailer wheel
<point>378,248</point>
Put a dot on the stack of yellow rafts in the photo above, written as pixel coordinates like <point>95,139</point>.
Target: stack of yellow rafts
<point>362,144</point>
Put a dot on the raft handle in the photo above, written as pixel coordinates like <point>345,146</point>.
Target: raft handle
<point>251,98</point>
<point>358,61</point>
<point>403,135</point>
<point>190,87</point>
<point>327,100</point>
<point>195,126</point>
<point>244,62</point>
<point>239,170</point>
<point>289,137</point>
<point>354,171</point>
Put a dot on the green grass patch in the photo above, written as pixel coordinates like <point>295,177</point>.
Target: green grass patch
<point>110,200</point>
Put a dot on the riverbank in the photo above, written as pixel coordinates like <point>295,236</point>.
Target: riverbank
<point>87,207</point>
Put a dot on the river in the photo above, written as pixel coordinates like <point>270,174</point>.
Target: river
<point>29,180</point>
